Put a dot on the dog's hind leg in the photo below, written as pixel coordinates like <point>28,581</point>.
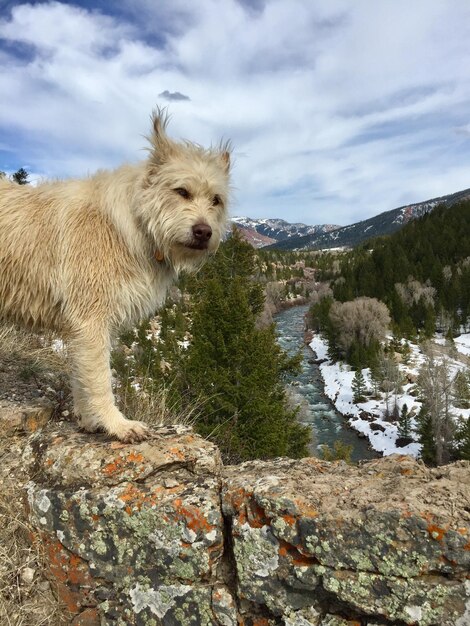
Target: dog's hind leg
<point>92,391</point>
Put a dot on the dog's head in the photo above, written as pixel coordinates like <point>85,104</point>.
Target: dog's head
<point>184,197</point>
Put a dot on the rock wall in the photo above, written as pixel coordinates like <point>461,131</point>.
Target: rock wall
<point>161,533</point>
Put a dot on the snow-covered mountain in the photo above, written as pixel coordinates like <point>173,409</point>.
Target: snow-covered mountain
<point>382,224</point>
<point>279,230</point>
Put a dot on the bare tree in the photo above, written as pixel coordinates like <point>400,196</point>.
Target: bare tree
<point>362,320</point>
<point>435,382</point>
<point>389,379</point>
<point>320,291</point>
<point>413,291</point>
<point>272,301</point>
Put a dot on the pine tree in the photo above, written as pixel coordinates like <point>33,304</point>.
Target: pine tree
<point>236,368</point>
<point>425,433</point>
<point>358,387</point>
<point>20,177</point>
<point>461,389</point>
<point>462,439</point>
<point>339,452</point>
<point>406,353</point>
<point>404,424</point>
<point>376,377</point>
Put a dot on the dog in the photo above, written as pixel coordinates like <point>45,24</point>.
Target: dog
<point>85,258</point>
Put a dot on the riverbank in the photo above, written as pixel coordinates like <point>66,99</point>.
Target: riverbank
<point>306,389</point>
<point>368,418</point>
<point>365,417</point>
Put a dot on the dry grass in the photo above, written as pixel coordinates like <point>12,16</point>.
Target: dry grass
<point>44,351</point>
<point>26,597</point>
<point>154,405</point>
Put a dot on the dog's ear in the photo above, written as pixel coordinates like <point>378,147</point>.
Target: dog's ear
<point>163,146</point>
<point>226,160</point>
<point>225,149</point>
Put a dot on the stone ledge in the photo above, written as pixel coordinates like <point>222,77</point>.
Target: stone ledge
<point>160,533</point>
<point>389,538</point>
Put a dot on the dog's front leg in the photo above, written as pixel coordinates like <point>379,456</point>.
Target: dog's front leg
<point>91,386</point>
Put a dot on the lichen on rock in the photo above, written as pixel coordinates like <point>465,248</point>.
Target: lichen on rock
<point>160,533</point>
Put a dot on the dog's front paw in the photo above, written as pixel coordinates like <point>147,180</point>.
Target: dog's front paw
<point>129,431</point>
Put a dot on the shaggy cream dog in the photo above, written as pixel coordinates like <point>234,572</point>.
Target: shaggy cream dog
<point>85,257</point>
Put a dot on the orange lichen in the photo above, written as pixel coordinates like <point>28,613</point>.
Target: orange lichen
<point>135,457</point>
<point>67,569</point>
<point>305,509</point>
<point>192,516</point>
<point>437,532</point>
<point>135,497</point>
<point>177,452</point>
<point>32,423</point>
<point>239,497</point>
<point>256,516</point>
<point>121,463</point>
<point>296,557</point>
<point>70,598</point>
<point>407,471</point>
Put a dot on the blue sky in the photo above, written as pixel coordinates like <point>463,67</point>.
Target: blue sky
<point>337,110</point>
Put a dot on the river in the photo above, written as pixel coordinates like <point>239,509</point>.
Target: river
<point>319,413</point>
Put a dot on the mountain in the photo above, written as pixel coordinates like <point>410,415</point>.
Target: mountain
<point>257,240</point>
<point>278,230</point>
<point>382,224</point>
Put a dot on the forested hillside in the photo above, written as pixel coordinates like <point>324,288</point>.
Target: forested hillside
<point>422,272</point>
<point>378,306</point>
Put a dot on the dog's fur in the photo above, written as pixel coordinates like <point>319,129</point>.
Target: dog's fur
<point>85,257</point>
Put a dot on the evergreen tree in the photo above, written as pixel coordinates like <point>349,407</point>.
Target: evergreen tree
<point>461,389</point>
<point>406,353</point>
<point>425,433</point>
<point>462,439</point>
<point>339,452</point>
<point>237,368</point>
<point>404,424</point>
<point>358,387</point>
<point>20,177</point>
<point>376,376</point>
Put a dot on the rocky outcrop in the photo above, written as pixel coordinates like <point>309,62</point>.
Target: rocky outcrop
<point>383,543</point>
<point>161,533</point>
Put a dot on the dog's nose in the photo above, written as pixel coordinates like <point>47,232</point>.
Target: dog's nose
<point>202,232</point>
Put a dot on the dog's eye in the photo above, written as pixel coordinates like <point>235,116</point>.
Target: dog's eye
<point>181,191</point>
<point>216,201</point>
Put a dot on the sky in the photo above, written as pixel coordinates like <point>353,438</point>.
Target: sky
<point>336,110</point>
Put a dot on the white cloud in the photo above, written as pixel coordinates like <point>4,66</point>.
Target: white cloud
<point>337,110</point>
